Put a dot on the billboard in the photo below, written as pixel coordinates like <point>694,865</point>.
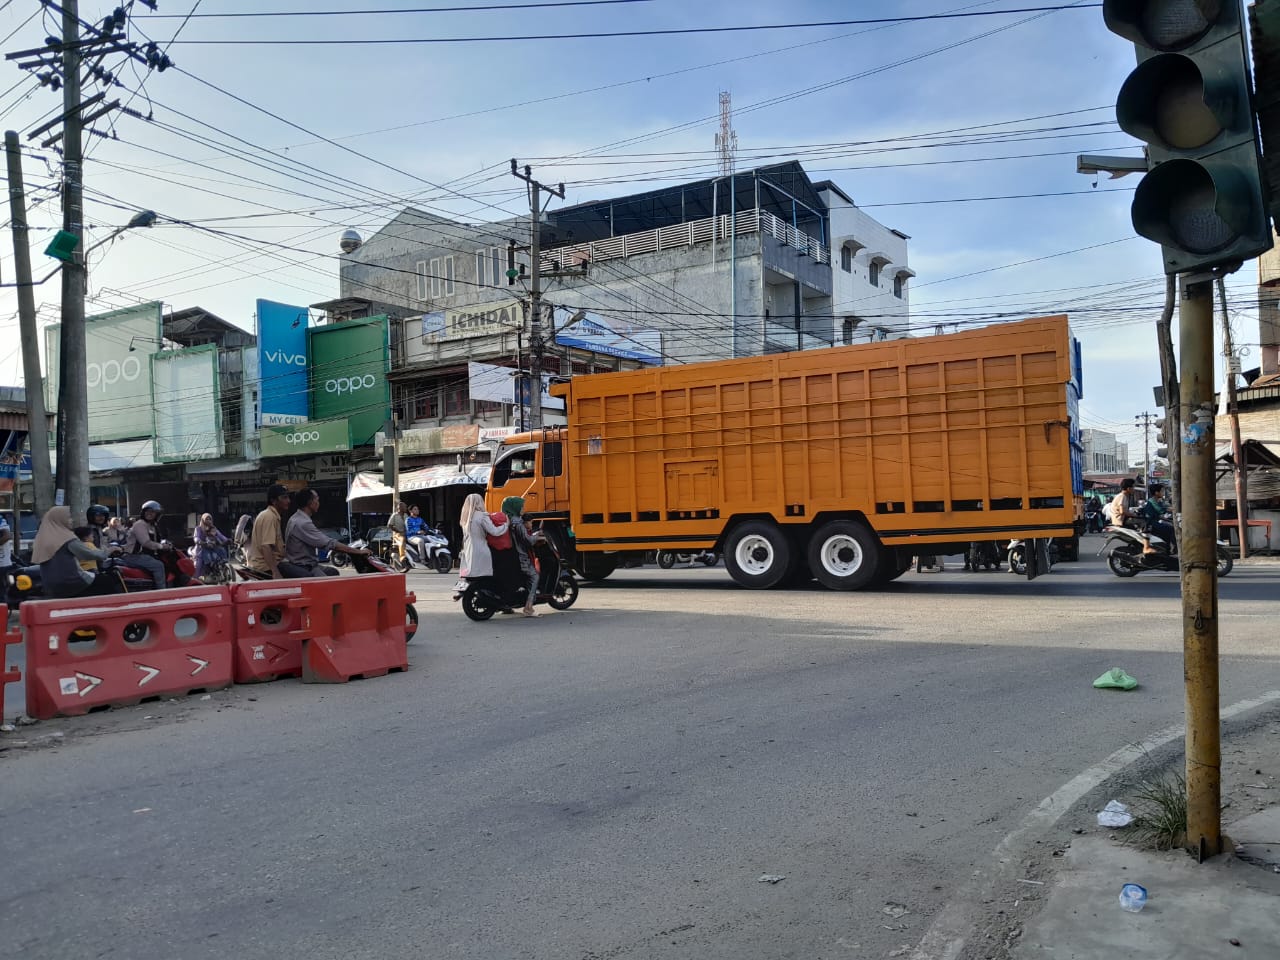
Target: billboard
<point>118,346</point>
<point>480,320</point>
<point>613,338</point>
<point>187,414</point>
<point>485,381</point>
<point>315,436</point>
<point>282,362</point>
<point>349,364</point>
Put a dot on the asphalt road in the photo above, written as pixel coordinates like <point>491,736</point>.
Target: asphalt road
<point>608,782</point>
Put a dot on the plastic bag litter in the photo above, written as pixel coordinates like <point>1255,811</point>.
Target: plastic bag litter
<point>1115,814</point>
<point>1115,679</point>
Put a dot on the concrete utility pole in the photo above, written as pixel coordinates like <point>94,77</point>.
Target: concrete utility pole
<point>37,433</point>
<point>1238,459</point>
<point>73,407</point>
<point>537,342</point>
<point>1144,420</point>
<point>1198,553</point>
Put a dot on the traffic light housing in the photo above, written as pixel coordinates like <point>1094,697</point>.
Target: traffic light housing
<point>1162,440</point>
<point>1204,198</point>
<point>389,465</point>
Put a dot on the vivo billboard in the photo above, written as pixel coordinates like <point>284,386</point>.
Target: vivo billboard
<point>282,362</point>
<point>118,346</point>
<point>349,364</point>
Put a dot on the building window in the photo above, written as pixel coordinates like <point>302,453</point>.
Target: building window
<point>873,273</point>
<point>424,283</point>
<point>456,399</point>
<point>846,259</point>
<point>489,269</point>
<point>482,266</point>
<point>897,285</point>
<point>846,335</point>
<point>496,264</point>
<point>426,404</point>
<point>440,271</point>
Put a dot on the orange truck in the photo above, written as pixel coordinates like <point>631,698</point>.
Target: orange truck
<point>839,464</point>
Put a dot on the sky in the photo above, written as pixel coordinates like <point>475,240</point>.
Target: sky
<point>257,150</point>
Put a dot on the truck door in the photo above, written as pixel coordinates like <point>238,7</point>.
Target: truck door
<point>515,474</point>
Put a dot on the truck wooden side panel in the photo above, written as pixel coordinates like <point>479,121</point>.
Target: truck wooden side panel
<point>932,440</point>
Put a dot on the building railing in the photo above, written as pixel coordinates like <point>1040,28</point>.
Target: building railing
<point>685,235</point>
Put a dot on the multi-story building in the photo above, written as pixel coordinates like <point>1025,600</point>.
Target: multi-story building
<point>1103,453</point>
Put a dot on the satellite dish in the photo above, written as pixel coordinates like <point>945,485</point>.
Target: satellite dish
<point>350,241</point>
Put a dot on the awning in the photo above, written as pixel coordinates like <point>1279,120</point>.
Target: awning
<point>428,478</point>
<point>221,468</point>
<point>1257,452</point>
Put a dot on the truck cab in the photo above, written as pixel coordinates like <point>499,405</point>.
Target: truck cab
<point>532,466</point>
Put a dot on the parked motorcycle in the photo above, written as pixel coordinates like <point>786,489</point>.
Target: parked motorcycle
<point>1017,555</point>
<point>362,564</point>
<point>669,558</point>
<point>1127,557</point>
<point>482,597</point>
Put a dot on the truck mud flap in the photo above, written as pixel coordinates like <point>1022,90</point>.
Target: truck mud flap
<point>1037,558</point>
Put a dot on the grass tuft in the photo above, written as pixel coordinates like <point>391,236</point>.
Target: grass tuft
<point>1160,808</point>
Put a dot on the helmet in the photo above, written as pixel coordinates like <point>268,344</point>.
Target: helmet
<point>97,515</point>
<point>151,505</point>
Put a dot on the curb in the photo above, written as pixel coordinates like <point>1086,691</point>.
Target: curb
<point>950,930</point>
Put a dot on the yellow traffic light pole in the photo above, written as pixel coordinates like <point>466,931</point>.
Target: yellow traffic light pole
<point>1199,561</point>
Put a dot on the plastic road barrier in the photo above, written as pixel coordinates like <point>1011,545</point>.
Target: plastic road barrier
<point>352,627</point>
<point>268,644</point>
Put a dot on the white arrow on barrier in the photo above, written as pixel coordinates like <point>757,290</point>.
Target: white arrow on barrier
<point>91,680</point>
<point>200,664</point>
<point>150,673</point>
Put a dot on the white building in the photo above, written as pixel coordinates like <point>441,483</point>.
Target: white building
<point>869,272</point>
<point>1103,453</point>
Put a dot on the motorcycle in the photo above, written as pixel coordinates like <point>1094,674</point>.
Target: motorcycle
<point>24,583</point>
<point>240,538</point>
<point>1017,555</point>
<point>669,558</point>
<point>482,597</point>
<point>1127,556</point>
<point>217,570</point>
<point>429,549</point>
<point>361,564</point>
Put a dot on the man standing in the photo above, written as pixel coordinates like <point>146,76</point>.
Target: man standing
<point>266,543</point>
<point>302,539</point>
<point>141,546</point>
<point>399,526</point>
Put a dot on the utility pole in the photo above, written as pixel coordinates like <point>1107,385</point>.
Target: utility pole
<point>1144,420</point>
<point>42,481</point>
<point>1198,553</point>
<point>1240,467</point>
<point>537,341</point>
<point>73,407</point>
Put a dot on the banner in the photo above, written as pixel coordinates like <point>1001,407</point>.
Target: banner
<point>349,364</point>
<point>118,346</point>
<point>613,338</point>
<point>315,436</point>
<point>506,385</point>
<point>282,362</point>
<point>187,412</point>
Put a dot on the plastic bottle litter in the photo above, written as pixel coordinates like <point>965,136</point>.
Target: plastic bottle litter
<point>1133,897</point>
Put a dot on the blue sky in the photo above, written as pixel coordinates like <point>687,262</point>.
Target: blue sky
<point>430,115</point>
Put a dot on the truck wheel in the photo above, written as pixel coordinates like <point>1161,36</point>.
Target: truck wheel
<point>596,566</point>
<point>844,555</point>
<point>758,555</point>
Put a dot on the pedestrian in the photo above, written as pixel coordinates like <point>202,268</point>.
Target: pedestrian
<point>211,545</point>
<point>59,553</point>
<point>266,543</point>
<point>399,522</point>
<point>523,543</point>
<point>477,526</point>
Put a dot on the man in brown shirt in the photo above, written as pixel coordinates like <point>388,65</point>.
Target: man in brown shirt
<point>266,543</point>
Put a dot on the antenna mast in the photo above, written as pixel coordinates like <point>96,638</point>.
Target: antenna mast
<point>726,139</point>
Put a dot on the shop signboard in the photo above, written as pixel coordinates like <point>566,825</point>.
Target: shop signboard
<point>118,348</point>
<point>306,439</point>
<point>282,362</point>
<point>187,415</point>
<point>349,364</point>
<point>610,337</point>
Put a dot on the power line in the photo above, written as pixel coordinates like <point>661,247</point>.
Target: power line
<point>223,15</point>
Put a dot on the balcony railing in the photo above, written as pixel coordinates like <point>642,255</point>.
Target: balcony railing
<point>685,235</point>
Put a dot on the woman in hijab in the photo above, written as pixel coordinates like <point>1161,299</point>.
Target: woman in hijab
<point>476,560</point>
<point>522,540</point>
<point>59,551</point>
<point>211,545</point>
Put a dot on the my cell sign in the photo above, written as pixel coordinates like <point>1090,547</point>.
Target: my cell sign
<point>282,362</point>
<point>349,364</point>
<point>314,436</point>
<point>117,373</point>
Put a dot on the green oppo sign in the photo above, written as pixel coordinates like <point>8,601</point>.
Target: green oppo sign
<point>349,364</point>
<point>315,436</point>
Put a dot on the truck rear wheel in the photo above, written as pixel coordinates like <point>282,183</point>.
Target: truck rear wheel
<point>596,566</point>
<point>758,555</point>
<point>844,555</point>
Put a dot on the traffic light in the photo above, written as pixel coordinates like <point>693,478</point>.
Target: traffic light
<point>1161,451</point>
<point>1204,198</point>
<point>389,465</point>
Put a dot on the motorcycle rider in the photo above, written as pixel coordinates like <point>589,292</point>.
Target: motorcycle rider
<point>1153,511</point>
<point>1122,504</point>
<point>302,539</point>
<point>266,542</point>
<point>413,526</point>
<point>59,552</point>
<point>98,517</point>
<point>141,546</point>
